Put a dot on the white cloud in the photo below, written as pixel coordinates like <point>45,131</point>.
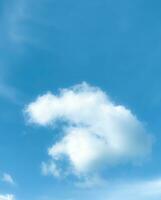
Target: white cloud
<point>7,197</point>
<point>97,132</point>
<point>8,179</point>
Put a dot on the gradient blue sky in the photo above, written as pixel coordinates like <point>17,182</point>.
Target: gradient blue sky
<point>49,44</point>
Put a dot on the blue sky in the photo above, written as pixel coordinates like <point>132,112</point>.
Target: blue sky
<point>50,45</point>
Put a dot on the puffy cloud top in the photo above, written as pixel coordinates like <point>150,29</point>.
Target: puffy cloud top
<point>97,132</point>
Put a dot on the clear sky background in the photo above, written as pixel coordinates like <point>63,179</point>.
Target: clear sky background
<point>46,45</point>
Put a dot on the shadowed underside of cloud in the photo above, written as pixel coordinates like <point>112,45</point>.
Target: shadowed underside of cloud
<point>97,132</point>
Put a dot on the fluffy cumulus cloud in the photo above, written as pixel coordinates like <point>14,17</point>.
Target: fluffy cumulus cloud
<point>96,131</point>
<point>7,197</point>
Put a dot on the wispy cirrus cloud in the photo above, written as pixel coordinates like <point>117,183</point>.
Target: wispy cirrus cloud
<point>13,22</point>
<point>97,132</point>
<point>8,179</point>
<point>9,22</point>
<point>140,190</point>
<point>8,92</point>
<point>21,23</point>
